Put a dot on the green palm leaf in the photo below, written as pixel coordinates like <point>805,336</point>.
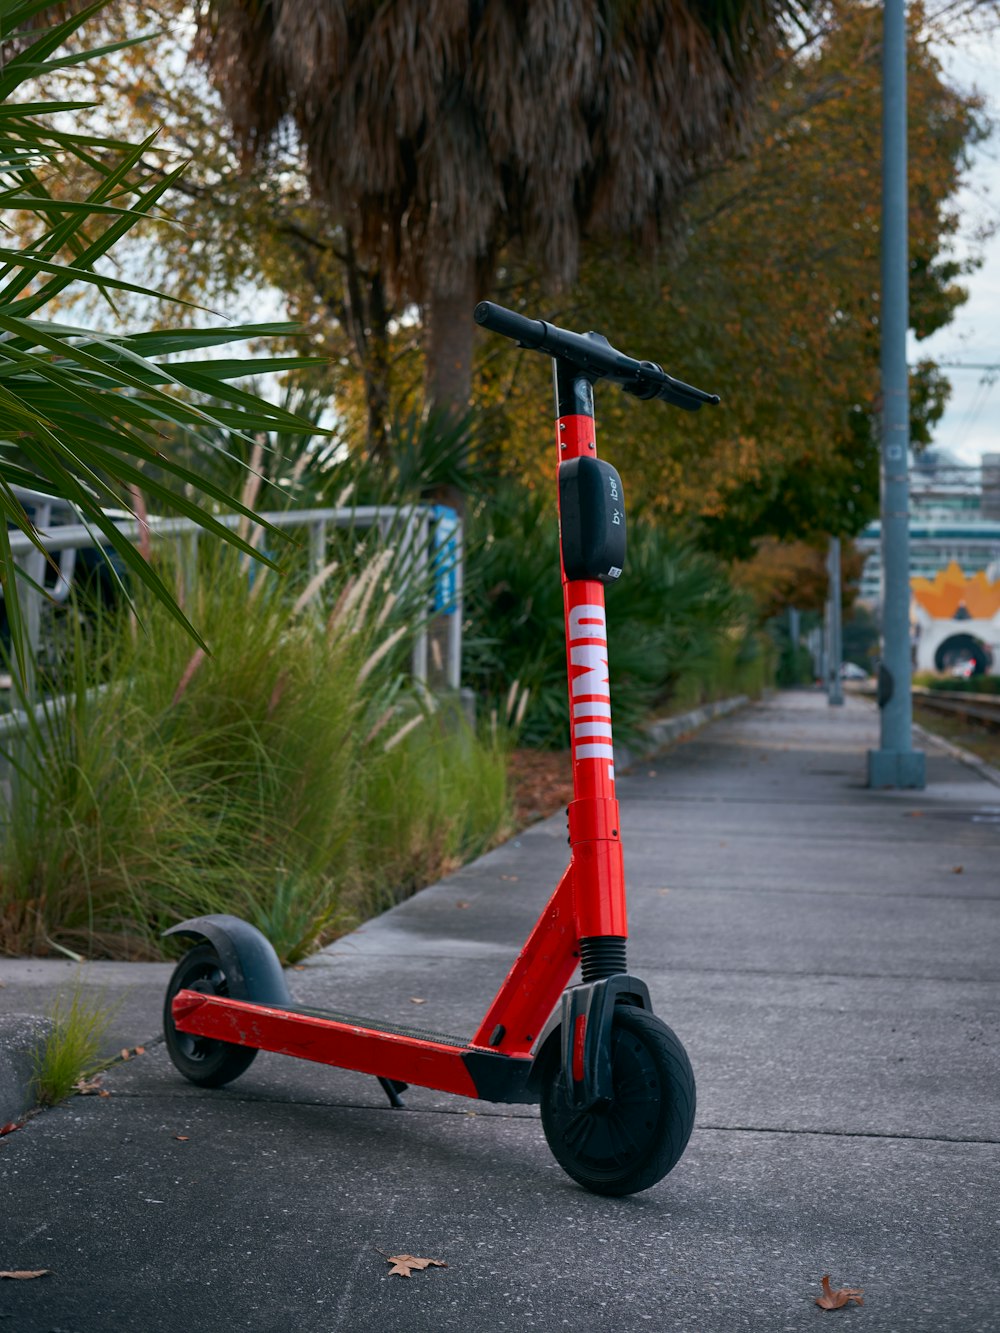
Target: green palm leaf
<point>84,414</point>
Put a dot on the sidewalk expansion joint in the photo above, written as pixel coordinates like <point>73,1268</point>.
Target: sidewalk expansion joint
<point>703,891</point>
<point>810,973</point>
<point>849,1134</point>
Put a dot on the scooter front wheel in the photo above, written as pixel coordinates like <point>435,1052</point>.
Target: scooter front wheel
<point>634,1140</point>
<point>204,1061</point>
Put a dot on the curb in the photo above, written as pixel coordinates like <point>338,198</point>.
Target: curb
<point>966,757</point>
<point>20,1035</point>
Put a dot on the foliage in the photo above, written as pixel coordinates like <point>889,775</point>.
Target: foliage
<point>248,781</point>
<point>435,136</point>
<point>71,1050</point>
<point>794,662</point>
<point>335,214</point>
<point>732,303</point>
<point>861,638</point>
<point>795,574</point>
<point>84,410</point>
<point>958,685</point>
<point>770,298</point>
<point>672,614</point>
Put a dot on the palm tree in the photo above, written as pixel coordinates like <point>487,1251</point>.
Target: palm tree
<point>439,131</point>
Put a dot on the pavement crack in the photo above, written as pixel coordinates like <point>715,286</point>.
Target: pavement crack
<point>847,1134</point>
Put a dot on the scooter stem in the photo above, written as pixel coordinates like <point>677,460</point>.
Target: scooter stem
<point>594,828</point>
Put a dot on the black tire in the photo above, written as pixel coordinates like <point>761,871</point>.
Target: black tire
<point>204,1061</point>
<point>640,1136</point>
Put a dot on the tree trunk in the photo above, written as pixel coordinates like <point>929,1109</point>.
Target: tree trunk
<point>449,329</point>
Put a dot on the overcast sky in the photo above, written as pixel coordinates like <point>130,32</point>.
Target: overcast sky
<point>971,424</point>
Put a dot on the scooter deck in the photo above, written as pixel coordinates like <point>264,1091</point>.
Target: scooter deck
<point>397,1029</point>
<point>387,1050</point>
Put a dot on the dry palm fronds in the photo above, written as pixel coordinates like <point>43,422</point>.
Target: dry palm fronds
<point>439,131</point>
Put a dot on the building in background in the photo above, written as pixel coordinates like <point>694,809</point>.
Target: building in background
<point>956,622</point>
<point>954,563</point>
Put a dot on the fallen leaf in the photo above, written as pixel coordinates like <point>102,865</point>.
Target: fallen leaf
<point>957,870</point>
<point>461,904</point>
<point>834,1297</point>
<point>404,1264</point>
<point>24,1273</point>
<point>181,1138</point>
<point>9,1128</point>
<point>414,999</point>
<point>90,1087</point>
<point>915,814</point>
<point>126,1053</point>
<point>139,1050</point>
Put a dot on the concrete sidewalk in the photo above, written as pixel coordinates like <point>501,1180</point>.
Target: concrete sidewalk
<point>829,955</point>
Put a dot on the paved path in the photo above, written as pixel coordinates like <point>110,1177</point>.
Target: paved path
<point>829,955</point>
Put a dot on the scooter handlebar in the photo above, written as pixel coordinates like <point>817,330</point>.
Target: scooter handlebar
<point>594,355</point>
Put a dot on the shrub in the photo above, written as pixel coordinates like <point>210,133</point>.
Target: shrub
<point>271,779</point>
<point>675,619</point>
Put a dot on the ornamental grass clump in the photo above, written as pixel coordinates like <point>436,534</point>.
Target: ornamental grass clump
<point>292,776</point>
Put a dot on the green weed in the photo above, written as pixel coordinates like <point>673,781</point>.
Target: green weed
<point>71,1050</point>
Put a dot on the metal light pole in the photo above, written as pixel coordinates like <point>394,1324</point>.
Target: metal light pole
<point>834,636</point>
<point>895,763</point>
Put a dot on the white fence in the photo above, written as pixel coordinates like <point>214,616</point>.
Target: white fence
<point>424,534</point>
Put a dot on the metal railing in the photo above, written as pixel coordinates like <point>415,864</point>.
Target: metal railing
<point>981,708</point>
<point>426,536</point>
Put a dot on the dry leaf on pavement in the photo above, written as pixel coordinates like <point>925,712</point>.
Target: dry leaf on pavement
<point>22,1274</point>
<point>90,1087</point>
<point>835,1297</point>
<point>404,1264</point>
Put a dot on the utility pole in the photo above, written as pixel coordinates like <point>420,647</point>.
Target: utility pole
<point>834,637</point>
<point>895,763</point>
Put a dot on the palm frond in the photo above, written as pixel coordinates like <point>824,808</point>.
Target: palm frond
<point>90,415</point>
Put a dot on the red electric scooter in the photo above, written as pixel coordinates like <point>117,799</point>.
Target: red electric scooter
<point>615,1085</point>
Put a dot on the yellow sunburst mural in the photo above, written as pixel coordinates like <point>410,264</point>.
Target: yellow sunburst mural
<point>949,590</point>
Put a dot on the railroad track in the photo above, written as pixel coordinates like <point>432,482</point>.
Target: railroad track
<point>981,708</point>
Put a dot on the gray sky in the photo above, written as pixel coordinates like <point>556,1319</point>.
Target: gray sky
<point>971,424</point>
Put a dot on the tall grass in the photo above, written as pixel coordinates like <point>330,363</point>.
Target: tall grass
<point>290,777</point>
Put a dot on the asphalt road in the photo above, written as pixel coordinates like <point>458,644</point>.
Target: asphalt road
<point>829,955</point>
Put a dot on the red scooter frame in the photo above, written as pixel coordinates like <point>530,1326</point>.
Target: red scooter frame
<point>615,1085</point>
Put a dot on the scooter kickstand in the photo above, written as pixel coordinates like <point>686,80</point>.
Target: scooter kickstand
<point>392,1088</point>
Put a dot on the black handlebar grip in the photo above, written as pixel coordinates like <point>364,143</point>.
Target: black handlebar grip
<point>593,355</point>
<point>528,332</point>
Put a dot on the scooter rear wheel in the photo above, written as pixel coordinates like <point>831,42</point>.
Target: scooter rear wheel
<point>204,1061</point>
<point>640,1135</point>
